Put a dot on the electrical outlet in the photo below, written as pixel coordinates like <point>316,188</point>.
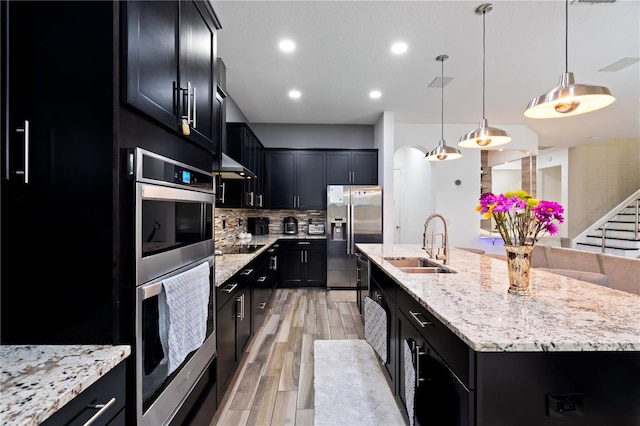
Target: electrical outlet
<point>564,404</point>
<point>224,223</point>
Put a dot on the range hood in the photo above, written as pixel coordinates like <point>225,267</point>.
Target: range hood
<point>231,169</point>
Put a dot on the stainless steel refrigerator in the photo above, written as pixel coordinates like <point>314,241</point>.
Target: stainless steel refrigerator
<point>354,215</point>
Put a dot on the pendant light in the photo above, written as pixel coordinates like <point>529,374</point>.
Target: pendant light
<point>484,136</point>
<point>569,98</point>
<point>442,151</point>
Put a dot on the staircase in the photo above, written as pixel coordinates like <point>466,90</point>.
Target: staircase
<point>621,233</point>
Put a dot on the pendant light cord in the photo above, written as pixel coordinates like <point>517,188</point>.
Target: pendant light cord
<point>442,102</point>
<point>566,36</point>
<point>484,36</point>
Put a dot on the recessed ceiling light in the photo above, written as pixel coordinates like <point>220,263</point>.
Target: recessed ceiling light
<point>375,94</point>
<point>287,46</point>
<point>295,94</point>
<point>399,48</point>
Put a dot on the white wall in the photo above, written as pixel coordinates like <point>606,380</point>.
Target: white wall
<point>413,195</point>
<point>384,141</point>
<point>553,159</point>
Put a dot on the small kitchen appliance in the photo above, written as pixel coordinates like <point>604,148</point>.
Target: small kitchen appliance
<point>258,225</point>
<point>315,228</point>
<point>289,225</point>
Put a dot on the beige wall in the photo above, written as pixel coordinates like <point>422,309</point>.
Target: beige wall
<point>601,175</point>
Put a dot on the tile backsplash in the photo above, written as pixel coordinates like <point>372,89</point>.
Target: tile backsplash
<point>230,222</point>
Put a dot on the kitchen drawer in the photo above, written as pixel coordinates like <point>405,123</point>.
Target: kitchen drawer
<point>457,354</point>
<point>231,286</point>
<point>110,387</point>
<point>386,284</point>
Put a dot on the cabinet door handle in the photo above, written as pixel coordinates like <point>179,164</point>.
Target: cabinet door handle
<point>301,256</point>
<point>25,130</point>
<point>419,352</point>
<point>240,299</point>
<point>193,119</point>
<point>246,272</point>
<point>377,297</point>
<point>230,287</point>
<point>261,279</point>
<point>262,305</point>
<point>101,410</point>
<point>251,198</point>
<point>274,263</point>
<point>223,188</point>
<point>304,243</point>
<point>306,256</point>
<point>259,202</point>
<point>421,323</point>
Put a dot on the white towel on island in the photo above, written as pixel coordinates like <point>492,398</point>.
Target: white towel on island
<point>409,381</point>
<point>375,327</point>
<point>183,304</point>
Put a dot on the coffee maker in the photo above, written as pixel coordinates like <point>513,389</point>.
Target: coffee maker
<point>289,225</point>
<point>258,225</point>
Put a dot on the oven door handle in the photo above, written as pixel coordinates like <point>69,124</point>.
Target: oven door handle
<point>157,192</point>
<point>154,288</point>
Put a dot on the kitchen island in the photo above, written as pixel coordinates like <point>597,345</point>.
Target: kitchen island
<point>569,354</point>
<point>38,381</point>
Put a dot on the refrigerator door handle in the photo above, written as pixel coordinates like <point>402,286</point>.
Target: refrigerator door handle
<point>351,242</point>
<point>347,229</point>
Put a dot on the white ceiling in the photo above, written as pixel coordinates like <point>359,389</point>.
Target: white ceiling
<point>343,52</point>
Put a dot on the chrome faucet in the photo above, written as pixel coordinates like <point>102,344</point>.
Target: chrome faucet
<point>445,252</point>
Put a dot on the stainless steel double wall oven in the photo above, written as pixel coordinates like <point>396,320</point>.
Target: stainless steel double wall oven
<point>174,210</point>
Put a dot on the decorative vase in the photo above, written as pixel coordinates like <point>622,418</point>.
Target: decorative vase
<point>519,266</point>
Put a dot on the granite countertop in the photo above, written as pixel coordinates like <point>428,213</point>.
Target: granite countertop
<point>37,380</point>
<point>562,314</point>
<point>228,264</point>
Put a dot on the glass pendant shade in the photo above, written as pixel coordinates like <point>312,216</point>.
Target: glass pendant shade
<point>443,152</point>
<point>484,136</point>
<point>569,99</point>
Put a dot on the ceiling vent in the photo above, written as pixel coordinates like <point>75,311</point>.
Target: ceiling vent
<point>593,1</point>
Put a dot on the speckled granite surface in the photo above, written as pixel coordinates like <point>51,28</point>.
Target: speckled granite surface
<point>562,314</point>
<point>37,380</point>
<point>228,264</point>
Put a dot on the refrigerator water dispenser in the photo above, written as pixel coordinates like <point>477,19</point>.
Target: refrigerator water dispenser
<point>337,231</point>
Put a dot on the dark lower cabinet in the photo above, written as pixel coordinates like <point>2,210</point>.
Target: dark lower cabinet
<point>103,403</point>
<point>457,386</point>
<point>233,324</point>
<point>387,300</point>
<point>302,263</point>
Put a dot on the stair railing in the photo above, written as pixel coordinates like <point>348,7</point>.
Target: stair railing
<point>636,225</point>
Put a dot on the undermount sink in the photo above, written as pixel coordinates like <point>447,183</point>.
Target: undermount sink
<point>242,249</point>
<point>418,265</point>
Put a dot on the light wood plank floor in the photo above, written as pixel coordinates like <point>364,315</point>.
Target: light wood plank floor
<point>273,384</point>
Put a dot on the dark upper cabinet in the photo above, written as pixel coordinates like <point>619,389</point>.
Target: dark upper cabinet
<point>244,146</point>
<point>296,179</point>
<point>352,167</point>
<point>171,58</point>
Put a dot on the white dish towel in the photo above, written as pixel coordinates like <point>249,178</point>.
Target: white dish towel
<point>183,304</point>
<point>375,327</point>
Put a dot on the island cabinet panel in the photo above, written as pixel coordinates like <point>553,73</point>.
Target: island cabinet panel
<point>171,60</point>
<point>558,388</point>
